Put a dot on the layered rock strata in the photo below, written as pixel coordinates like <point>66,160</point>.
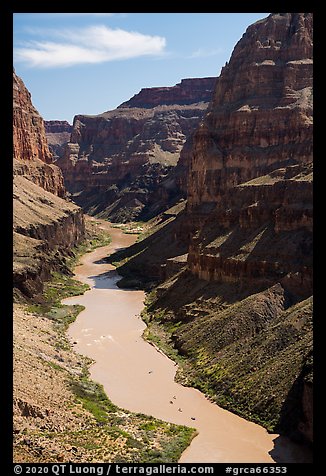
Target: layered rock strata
<point>47,176</point>
<point>188,91</point>
<point>261,232</point>
<point>29,140</point>
<point>114,160</point>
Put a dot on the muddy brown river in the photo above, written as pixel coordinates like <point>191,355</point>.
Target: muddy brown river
<point>139,378</point>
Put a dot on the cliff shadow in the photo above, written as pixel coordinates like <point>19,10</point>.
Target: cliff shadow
<point>110,280</point>
<point>164,243</point>
<point>287,451</point>
<point>187,289</point>
<point>107,280</point>
<point>296,420</point>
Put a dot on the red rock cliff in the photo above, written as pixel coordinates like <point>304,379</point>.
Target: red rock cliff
<point>32,156</point>
<point>260,119</point>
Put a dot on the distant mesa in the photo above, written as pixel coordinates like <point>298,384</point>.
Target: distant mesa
<point>188,91</point>
<point>57,127</point>
<point>114,161</point>
<point>58,135</point>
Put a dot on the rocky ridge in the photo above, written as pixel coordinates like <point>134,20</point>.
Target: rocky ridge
<point>234,295</point>
<point>46,228</point>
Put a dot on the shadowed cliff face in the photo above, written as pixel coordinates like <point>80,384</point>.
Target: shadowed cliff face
<point>114,160</point>
<point>237,293</point>
<point>46,226</point>
<point>260,232</point>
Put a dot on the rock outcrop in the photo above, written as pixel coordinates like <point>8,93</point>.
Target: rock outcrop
<point>114,160</point>
<point>46,226</point>
<point>58,135</point>
<point>238,287</point>
<point>29,140</point>
<point>31,153</point>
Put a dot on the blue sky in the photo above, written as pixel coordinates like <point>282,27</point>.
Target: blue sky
<point>79,63</point>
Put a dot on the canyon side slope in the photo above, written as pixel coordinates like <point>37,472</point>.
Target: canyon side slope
<point>116,160</point>
<point>231,270</point>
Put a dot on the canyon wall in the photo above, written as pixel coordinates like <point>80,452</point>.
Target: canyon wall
<point>29,140</point>
<point>116,159</point>
<point>260,233</point>
<point>46,227</point>
<point>251,162</point>
<point>237,290</point>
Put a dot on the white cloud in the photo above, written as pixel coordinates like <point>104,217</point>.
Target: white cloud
<point>93,44</point>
